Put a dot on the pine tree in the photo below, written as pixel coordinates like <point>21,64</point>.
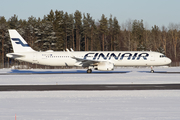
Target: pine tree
<point>78,28</point>
<point>51,16</point>
<point>71,31</point>
<point>164,38</point>
<point>3,30</point>
<point>59,29</point>
<point>13,22</point>
<point>85,32</point>
<point>103,29</point>
<point>137,34</point>
<point>155,33</point>
<point>93,33</point>
<point>116,31</point>
<point>111,32</point>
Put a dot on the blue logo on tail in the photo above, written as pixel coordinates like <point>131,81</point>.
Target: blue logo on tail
<point>18,41</point>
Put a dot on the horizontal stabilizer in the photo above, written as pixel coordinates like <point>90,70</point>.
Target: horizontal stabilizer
<point>14,55</point>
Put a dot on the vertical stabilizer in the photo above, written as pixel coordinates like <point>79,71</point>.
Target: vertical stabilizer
<point>18,43</point>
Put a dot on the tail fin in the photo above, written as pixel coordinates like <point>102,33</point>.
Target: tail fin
<point>18,43</point>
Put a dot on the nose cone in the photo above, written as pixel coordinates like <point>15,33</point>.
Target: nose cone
<point>168,61</point>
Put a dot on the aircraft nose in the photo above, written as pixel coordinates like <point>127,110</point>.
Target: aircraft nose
<point>168,61</point>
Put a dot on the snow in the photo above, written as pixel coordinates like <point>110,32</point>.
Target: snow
<point>91,105</point>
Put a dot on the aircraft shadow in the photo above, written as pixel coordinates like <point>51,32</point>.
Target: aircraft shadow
<point>64,72</point>
<point>165,72</point>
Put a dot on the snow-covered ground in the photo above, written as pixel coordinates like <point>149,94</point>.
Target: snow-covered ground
<point>91,105</point>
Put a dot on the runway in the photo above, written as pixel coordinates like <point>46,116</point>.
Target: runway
<point>79,80</point>
<point>99,87</point>
<point>83,71</point>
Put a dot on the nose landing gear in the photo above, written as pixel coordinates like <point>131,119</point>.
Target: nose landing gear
<point>152,71</point>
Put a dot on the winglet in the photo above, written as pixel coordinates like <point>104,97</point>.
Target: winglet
<point>72,56</point>
<point>67,50</point>
<point>71,50</point>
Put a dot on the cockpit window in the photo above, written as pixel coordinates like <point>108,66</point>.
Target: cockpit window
<point>161,56</point>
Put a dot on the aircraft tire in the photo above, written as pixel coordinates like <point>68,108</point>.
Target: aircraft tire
<point>89,71</point>
<point>152,71</point>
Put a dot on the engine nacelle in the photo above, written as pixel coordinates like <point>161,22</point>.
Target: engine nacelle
<point>105,66</point>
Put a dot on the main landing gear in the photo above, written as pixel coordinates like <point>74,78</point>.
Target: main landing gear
<point>152,71</point>
<point>89,70</point>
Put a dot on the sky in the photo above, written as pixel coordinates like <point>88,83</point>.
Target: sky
<point>152,12</point>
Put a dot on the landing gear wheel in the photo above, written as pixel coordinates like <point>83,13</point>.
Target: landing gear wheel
<point>89,71</point>
<point>152,71</point>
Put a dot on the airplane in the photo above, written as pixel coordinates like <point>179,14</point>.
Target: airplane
<point>97,60</point>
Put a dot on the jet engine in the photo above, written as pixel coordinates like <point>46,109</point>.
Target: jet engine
<point>105,66</point>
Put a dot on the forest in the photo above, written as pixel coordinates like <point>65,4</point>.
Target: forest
<point>59,30</point>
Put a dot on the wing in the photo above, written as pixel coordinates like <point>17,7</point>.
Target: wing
<point>85,62</point>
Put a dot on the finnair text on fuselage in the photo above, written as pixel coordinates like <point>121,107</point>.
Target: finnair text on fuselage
<point>119,56</point>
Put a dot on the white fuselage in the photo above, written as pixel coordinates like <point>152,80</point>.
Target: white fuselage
<point>118,58</point>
